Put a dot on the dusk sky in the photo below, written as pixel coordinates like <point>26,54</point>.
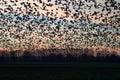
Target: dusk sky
<point>66,23</point>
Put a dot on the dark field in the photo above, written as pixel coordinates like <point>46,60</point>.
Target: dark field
<point>59,71</point>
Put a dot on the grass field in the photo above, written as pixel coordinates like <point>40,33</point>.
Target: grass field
<point>59,71</point>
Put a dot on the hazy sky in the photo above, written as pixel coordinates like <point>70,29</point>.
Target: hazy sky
<point>60,13</point>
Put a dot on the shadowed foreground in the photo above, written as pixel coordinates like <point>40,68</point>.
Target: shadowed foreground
<point>59,71</point>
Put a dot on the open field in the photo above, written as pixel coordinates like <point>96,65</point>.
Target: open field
<point>59,71</point>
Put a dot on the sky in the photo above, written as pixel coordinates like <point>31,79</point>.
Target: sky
<point>61,13</point>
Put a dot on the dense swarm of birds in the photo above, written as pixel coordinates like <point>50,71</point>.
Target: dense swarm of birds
<point>58,24</point>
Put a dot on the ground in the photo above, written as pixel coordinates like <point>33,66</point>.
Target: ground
<point>59,71</point>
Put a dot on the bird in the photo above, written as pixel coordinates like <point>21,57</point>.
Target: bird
<point>40,1</point>
<point>11,1</point>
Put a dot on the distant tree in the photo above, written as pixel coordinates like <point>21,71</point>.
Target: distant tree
<point>13,55</point>
<point>27,56</point>
<point>86,50</point>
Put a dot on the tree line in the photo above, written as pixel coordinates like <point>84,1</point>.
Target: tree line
<point>60,55</point>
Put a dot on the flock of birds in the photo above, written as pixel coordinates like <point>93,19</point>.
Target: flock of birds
<point>59,24</point>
